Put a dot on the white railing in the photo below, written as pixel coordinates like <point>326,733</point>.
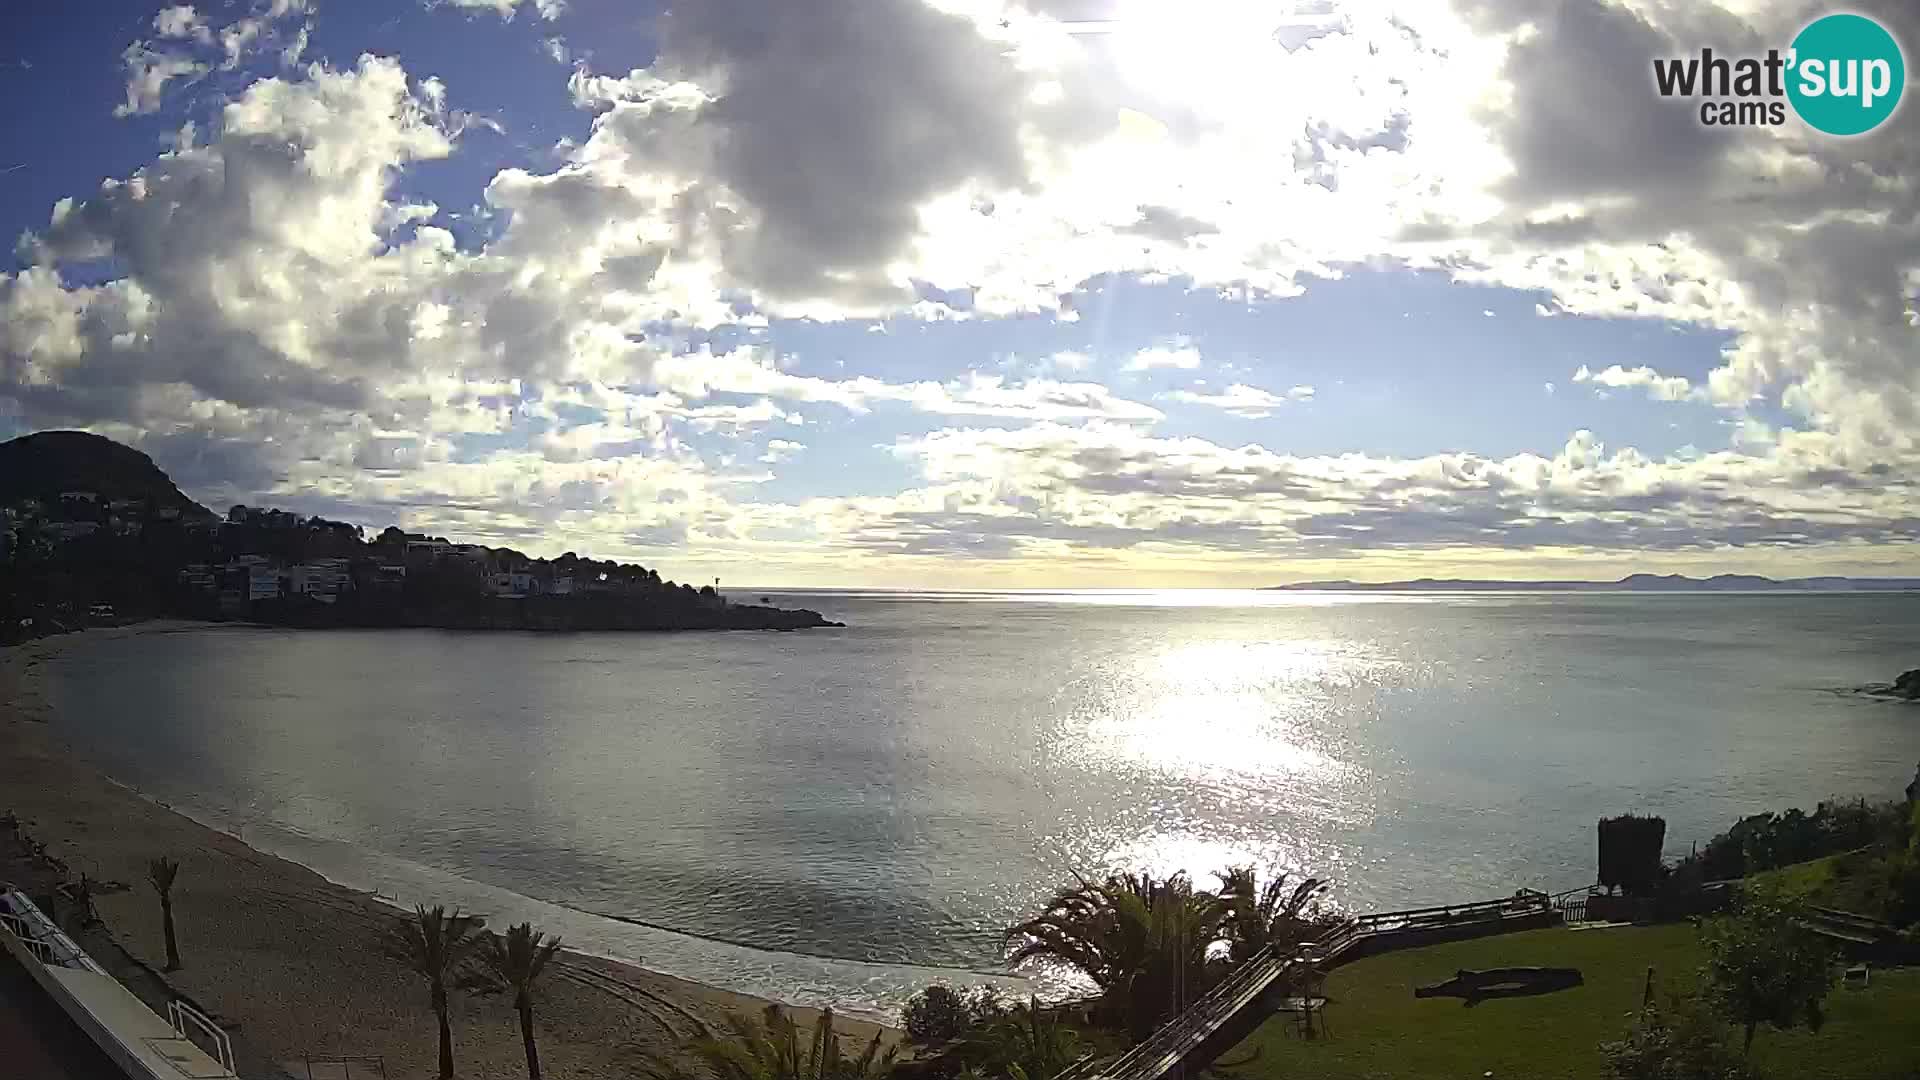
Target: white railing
<point>186,1019</point>
<point>17,926</point>
<point>38,933</point>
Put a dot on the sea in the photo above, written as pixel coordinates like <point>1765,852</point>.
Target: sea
<point>844,816</point>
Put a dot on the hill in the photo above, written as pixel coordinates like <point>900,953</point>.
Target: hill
<point>47,463</point>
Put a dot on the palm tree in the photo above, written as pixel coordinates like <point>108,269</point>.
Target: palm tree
<point>161,872</point>
<point>1275,915</point>
<point>772,1048</point>
<point>517,960</point>
<point>439,947</point>
<point>1144,943</point>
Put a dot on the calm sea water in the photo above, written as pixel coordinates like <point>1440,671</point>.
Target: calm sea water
<point>837,815</point>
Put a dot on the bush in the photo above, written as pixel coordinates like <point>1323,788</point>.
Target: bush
<point>940,1013</point>
<point>1682,1040</point>
<point>1769,841</point>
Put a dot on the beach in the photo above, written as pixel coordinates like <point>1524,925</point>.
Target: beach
<point>292,964</point>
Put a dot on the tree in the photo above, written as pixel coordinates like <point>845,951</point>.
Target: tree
<point>1143,942</point>
<point>1681,1040</point>
<point>772,1048</point>
<point>439,947</point>
<point>517,960</point>
<point>1274,915</point>
<point>1764,968</point>
<point>161,872</point>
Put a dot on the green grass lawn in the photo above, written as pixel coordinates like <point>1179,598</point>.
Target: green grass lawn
<point>1379,1029</point>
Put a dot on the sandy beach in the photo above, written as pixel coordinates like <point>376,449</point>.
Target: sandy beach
<point>292,964</point>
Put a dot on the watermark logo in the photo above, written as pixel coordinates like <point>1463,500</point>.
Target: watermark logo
<point>1843,75</point>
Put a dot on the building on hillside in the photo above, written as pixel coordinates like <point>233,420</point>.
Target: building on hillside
<point>562,585</point>
<point>252,577</point>
<point>69,530</point>
<point>198,577</point>
<point>512,584</point>
<point>80,496</point>
<point>320,579</point>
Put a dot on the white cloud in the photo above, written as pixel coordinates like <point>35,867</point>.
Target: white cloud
<point>1659,387</point>
<point>274,310</point>
<point>779,450</point>
<point>182,21</point>
<point>148,73</point>
<point>187,47</point>
<point>547,9</point>
<point>1242,400</point>
<point>1181,356</point>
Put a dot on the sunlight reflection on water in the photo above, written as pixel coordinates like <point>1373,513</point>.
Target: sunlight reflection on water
<point>836,804</point>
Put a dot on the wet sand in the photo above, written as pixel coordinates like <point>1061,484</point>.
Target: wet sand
<point>293,964</point>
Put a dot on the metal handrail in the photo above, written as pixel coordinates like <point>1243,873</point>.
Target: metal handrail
<point>181,1015</point>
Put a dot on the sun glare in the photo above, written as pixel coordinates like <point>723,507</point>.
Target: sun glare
<point>1204,54</point>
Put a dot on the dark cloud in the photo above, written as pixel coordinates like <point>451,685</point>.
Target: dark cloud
<point>835,121</point>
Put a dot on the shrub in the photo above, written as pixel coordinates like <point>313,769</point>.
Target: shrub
<point>940,1013</point>
<point>1682,1040</point>
<point>935,1014</point>
<point>1630,848</point>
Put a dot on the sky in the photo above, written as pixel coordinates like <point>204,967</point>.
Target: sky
<point>974,293</point>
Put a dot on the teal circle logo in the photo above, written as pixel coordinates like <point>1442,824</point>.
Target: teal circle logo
<point>1847,74</point>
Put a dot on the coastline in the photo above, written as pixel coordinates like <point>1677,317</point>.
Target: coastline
<point>295,963</point>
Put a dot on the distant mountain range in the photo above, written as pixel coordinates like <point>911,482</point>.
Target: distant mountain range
<point>1630,583</point>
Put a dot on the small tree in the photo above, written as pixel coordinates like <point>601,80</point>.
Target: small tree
<point>517,960</point>
<point>161,872</point>
<point>1681,1040</point>
<point>1763,968</point>
<point>439,947</point>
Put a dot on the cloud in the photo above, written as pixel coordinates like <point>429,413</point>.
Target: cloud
<point>182,21</point>
<point>1659,387</point>
<point>1111,487</point>
<point>149,70</point>
<point>546,9</point>
<point>187,47</point>
<point>283,319</point>
<point>1239,399</point>
<point>743,371</point>
<point>1179,355</point>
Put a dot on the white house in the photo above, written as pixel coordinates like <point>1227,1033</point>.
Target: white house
<point>322,579</point>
